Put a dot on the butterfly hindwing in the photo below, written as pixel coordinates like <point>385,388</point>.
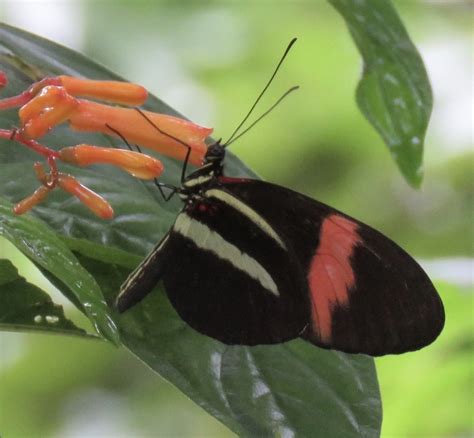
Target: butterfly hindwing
<point>366,294</point>
<point>145,277</point>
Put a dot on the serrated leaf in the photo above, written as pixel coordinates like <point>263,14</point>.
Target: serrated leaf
<point>289,389</point>
<point>24,306</point>
<point>394,92</point>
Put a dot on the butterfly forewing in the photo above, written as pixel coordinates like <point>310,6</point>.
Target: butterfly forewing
<point>234,278</point>
<point>366,294</point>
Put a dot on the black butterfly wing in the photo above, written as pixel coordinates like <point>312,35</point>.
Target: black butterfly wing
<point>229,278</point>
<point>226,274</point>
<point>367,295</point>
<point>254,263</point>
<point>145,277</point>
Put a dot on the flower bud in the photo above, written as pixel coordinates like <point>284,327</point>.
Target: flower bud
<point>52,106</point>
<point>31,201</point>
<point>96,203</point>
<point>40,173</point>
<point>137,164</point>
<point>124,93</point>
<point>136,128</point>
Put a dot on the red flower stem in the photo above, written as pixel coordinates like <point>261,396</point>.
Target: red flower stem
<point>53,172</point>
<point>15,135</point>
<point>27,95</point>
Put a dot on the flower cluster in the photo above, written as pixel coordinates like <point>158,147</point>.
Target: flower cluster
<point>55,100</point>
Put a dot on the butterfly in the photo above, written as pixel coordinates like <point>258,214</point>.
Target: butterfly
<point>249,262</point>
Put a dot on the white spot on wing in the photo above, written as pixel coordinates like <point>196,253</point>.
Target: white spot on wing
<point>209,240</point>
<point>244,209</point>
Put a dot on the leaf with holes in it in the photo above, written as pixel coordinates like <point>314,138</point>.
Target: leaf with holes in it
<point>394,92</point>
<point>24,306</point>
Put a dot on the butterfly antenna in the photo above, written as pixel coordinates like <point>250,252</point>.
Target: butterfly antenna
<point>119,134</point>
<point>262,92</point>
<point>157,183</point>
<point>268,111</point>
<point>187,146</point>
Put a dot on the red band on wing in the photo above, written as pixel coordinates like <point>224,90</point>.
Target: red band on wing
<point>330,275</point>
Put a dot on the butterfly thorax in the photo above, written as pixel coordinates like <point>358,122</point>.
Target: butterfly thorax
<point>197,182</point>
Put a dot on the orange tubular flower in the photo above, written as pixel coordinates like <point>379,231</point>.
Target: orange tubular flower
<point>54,100</point>
<point>31,201</point>
<point>124,93</point>
<point>53,105</point>
<point>136,164</point>
<point>91,116</point>
<point>96,203</point>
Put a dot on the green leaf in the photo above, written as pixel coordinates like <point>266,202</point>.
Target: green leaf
<point>24,306</point>
<point>443,373</point>
<point>44,248</point>
<point>394,92</point>
<point>279,390</point>
<point>293,388</point>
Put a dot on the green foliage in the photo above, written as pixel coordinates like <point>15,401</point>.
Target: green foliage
<point>316,142</point>
<point>22,304</point>
<point>41,245</point>
<point>254,391</point>
<point>441,377</point>
<point>394,92</point>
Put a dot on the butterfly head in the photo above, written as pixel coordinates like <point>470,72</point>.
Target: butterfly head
<point>215,153</point>
<point>211,168</point>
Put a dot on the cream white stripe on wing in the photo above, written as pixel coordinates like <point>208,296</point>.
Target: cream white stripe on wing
<point>244,209</point>
<point>138,272</point>
<point>209,240</point>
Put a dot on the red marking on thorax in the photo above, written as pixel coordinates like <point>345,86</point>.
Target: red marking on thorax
<point>228,179</point>
<point>330,275</point>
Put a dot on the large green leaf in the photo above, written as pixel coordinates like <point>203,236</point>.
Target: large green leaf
<point>23,305</point>
<point>287,389</point>
<point>258,391</point>
<point>394,92</point>
<point>39,243</point>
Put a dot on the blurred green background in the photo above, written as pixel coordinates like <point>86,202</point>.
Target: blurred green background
<point>209,60</point>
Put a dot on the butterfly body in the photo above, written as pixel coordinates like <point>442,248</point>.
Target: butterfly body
<point>250,262</point>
